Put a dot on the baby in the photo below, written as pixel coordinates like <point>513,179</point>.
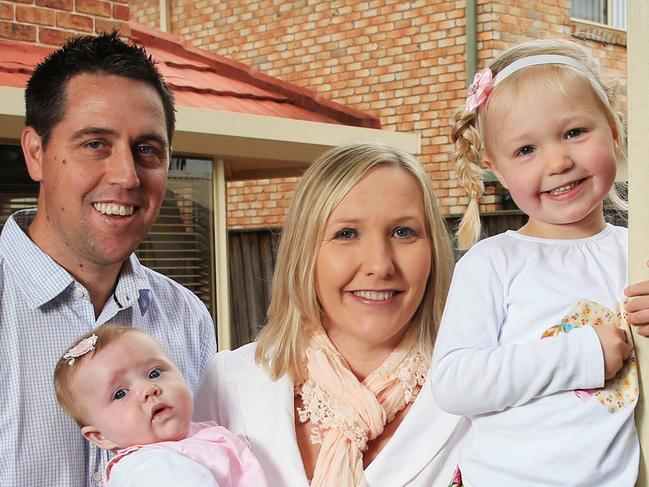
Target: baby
<point>127,396</point>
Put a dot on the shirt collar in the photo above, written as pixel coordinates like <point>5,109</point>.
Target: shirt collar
<point>42,279</point>
<point>133,286</point>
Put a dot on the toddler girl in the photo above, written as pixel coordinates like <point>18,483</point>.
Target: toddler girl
<point>127,396</point>
<point>532,347</point>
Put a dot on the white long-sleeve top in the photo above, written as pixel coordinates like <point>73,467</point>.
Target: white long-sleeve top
<point>528,426</point>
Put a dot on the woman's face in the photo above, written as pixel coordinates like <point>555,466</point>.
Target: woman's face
<point>374,261</point>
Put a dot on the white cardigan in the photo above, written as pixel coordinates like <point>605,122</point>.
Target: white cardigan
<point>238,394</point>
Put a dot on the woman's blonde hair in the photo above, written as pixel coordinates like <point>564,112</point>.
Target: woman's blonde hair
<point>294,307</point>
<point>468,130</point>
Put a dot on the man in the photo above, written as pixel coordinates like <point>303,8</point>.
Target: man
<point>97,138</point>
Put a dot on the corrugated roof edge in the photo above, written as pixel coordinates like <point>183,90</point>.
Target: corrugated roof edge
<point>302,97</point>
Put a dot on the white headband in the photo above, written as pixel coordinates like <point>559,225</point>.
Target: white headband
<point>549,59</point>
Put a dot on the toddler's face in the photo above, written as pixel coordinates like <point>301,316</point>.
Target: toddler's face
<point>556,152</point>
<point>132,394</point>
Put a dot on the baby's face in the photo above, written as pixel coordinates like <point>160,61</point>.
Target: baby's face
<point>132,394</point>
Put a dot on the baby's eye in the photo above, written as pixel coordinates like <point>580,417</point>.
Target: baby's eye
<point>119,394</point>
<point>403,232</point>
<point>572,133</point>
<point>525,150</point>
<point>154,374</point>
<point>345,234</point>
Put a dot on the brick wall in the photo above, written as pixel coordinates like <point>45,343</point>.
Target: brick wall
<point>505,23</point>
<point>401,60</point>
<point>146,12</point>
<point>50,22</point>
<point>260,203</point>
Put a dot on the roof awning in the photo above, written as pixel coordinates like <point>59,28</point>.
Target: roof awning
<point>258,125</point>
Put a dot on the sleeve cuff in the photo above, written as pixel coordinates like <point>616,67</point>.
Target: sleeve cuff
<point>594,357</point>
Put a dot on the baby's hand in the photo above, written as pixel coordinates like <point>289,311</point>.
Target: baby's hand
<point>638,306</point>
<point>616,349</point>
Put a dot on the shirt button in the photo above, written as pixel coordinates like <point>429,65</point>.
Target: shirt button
<point>96,476</point>
<point>78,293</point>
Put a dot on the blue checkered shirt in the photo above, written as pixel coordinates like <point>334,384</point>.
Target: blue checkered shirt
<point>42,311</point>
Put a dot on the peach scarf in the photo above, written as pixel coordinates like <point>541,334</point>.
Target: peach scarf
<point>345,414</point>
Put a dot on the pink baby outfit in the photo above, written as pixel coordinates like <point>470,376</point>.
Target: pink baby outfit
<point>227,456</point>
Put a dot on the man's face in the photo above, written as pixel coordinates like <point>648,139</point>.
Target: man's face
<point>103,174</point>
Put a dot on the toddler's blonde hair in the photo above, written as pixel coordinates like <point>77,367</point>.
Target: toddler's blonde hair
<point>469,127</point>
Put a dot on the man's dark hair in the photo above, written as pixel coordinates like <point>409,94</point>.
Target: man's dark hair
<point>105,54</point>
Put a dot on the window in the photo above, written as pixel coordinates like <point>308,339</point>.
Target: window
<point>609,12</point>
<point>17,190</point>
<point>181,241</point>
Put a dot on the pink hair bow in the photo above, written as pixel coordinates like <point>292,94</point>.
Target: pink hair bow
<point>83,347</point>
<point>479,90</point>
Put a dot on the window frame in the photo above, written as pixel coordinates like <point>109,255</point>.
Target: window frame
<point>609,17</point>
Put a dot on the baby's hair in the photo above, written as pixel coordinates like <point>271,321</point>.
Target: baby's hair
<point>468,130</point>
<point>64,372</point>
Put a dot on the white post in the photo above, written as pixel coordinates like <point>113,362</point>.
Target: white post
<point>222,301</point>
<point>164,7</point>
<point>638,103</point>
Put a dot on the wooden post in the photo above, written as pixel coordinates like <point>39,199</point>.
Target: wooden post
<point>638,109</point>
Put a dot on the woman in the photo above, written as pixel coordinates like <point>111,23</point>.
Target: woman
<point>333,392</point>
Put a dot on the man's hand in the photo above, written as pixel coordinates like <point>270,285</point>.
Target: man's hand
<point>638,306</point>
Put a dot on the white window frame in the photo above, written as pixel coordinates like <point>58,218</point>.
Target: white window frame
<point>616,14</point>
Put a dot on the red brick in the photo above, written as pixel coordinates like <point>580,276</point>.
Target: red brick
<point>82,23</point>
<point>120,12</point>
<point>53,37</point>
<point>6,11</point>
<point>99,8</point>
<point>110,25</point>
<point>17,32</point>
<point>56,4</point>
<point>35,15</point>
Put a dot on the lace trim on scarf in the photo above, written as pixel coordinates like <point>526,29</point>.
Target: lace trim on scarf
<point>325,412</point>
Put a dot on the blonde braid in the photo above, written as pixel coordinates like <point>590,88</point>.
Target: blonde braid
<point>468,145</point>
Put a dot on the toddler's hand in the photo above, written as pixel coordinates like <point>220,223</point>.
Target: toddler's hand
<point>616,349</point>
<point>638,306</point>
